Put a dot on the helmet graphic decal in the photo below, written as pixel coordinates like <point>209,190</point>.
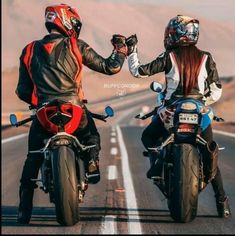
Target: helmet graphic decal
<point>65,19</point>
<point>50,16</point>
<point>181,31</point>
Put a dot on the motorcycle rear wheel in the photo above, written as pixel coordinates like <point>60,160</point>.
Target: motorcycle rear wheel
<point>65,186</point>
<point>183,200</point>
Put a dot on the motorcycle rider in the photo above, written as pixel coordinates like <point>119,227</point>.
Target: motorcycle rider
<point>52,68</point>
<point>189,72</point>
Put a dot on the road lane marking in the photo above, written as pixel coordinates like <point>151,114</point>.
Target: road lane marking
<point>134,226</point>
<point>113,134</point>
<point>112,172</point>
<point>7,140</point>
<point>109,225</point>
<point>224,133</point>
<point>113,140</point>
<point>114,151</point>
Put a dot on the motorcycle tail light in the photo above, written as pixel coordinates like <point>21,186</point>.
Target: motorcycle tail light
<point>188,106</point>
<point>185,128</point>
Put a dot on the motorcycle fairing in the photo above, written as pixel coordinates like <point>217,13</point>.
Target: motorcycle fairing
<point>59,113</point>
<point>205,113</point>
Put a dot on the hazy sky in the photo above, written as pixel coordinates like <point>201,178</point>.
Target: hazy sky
<point>22,21</point>
<point>212,9</point>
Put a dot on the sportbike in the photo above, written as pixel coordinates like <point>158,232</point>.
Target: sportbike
<point>62,172</point>
<point>185,171</point>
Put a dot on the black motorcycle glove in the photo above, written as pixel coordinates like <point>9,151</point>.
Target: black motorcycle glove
<point>131,43</point>
<point>119,43</point>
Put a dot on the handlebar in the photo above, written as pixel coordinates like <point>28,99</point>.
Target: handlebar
<point>144,117</point>
<point>99,117</point>
<point>153,112</point>
<point>22,122</point>
<point>218,119</point>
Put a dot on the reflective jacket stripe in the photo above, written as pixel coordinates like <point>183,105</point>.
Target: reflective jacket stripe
<point>78,59</point>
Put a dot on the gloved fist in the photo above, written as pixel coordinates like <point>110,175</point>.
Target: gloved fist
<point>119,43</point>
<point>131,43</point>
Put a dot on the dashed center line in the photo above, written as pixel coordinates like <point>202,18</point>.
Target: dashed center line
<point>113,140</point>
<point>114,151</point>
<point>112,172</point>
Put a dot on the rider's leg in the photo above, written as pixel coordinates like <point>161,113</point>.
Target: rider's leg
<point>210,155</point>
<point>30,171</point>
<point>90,136</point>
<point>222,203</point>
<point>150,137</point>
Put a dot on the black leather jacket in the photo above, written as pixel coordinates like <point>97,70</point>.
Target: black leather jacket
<point>51,68</point>
<point>208,87</point>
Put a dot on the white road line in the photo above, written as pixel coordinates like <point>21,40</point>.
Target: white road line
<point>113,129</point>
<point>114,151</point>
<point>109,225</point>
<point>6,140</point>
<point>112,172</point>
<point>113,140</point>
<point>134,226</point>
<point>113,134</point>
<point>224,133</point>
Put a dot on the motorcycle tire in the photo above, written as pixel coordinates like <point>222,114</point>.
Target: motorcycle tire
<point>183,200</point>
<point>65,186</point>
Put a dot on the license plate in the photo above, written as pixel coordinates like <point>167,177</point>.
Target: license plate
<point>188,118</point>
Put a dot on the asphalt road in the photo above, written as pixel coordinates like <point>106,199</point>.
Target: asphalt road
<point>124,201</point>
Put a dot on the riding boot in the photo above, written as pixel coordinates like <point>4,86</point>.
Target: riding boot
<point>92,166</point>
<point>26,205</point>
<point>222,203</point>
<point>156,165</point>
<point>26,191</point>
<point>223,208</point>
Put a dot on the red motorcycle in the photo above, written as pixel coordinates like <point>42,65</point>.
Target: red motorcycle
<point>62,172</point>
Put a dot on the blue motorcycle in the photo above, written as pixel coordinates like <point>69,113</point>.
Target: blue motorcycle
<point>185,172</point>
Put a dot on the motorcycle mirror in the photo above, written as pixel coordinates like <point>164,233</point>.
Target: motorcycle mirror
<point>13,119</point>
<point>109,111</point>
<point>156,87</point>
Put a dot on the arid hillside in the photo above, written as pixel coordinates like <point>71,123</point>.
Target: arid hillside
<point>97,87</point>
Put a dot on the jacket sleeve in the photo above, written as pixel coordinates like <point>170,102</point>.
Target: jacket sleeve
<point>213,85</point>
<point>94,61</point>
<point>24,87</point>
<point>142,71</point>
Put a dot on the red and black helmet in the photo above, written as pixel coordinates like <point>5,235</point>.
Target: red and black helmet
<point>63,18</point>
<point>181,31</point>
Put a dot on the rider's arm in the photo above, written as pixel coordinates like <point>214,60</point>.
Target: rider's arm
<point>214,87</point>
<point>142,71</point>
<point>94,61</point>
<point>24,87</point>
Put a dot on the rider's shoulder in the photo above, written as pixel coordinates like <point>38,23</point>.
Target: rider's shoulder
<point>82,42</point>
<point>206,53</point>
<point>28,47</point>
<point>163,55</point>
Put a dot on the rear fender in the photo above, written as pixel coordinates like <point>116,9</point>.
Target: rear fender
<point>61,139</point>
